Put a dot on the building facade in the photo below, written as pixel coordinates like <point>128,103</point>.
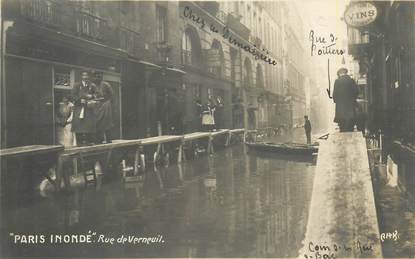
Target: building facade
<point>162,59</point>
<point>385,52</point>
<point>297,64</point>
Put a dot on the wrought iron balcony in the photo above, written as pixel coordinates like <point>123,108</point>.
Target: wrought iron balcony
<point>235,24</point>
<point>43,11</point>
<point>222,16</point>
<point>90,26</point>
<point>211,7</point>
<point>71,18</point>
<point>192,59</point>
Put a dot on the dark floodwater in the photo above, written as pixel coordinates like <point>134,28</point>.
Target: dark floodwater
<point>230,204</point>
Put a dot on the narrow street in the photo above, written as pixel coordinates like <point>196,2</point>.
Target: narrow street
<point>207,129</point>
<point>244,204</point>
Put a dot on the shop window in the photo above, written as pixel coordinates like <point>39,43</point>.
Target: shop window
<point>197,92</point>
<point>63,78</point>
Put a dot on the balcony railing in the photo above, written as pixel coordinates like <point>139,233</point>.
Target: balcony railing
<point>42,11</point>
<point>222,16</point>
<point>190,58</point>
<point>235,24</point>
<point>211,7</point>
<point>90,26</point>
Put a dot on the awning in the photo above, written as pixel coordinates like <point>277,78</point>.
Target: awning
<point>149,64</point>
<point>176,70</point>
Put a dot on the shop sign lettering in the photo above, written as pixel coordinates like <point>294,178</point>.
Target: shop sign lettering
<point>360,14</point>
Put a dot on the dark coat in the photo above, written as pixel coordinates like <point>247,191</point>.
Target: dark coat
<point>344,95</point>
<point>104,107</point>
<point>307,126</point>
<point>88,123</point>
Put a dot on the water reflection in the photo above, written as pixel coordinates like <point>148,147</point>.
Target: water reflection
<point>230,204</point>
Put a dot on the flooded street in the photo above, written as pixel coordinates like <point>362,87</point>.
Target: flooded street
<point>231,204</point>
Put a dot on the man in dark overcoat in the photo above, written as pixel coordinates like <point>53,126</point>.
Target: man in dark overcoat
<point>307,129</point>
<point>344,95</point>
<point>84,120</point>
<point>103,109</point>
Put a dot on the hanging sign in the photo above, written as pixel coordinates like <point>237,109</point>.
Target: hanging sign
<point>360,14</point>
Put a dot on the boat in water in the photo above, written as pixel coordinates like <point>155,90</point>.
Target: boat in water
<point>284,148</point>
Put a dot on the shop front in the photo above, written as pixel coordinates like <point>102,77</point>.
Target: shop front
<point>199,90</point>
<point>166,101</point>
<point>38,74</point>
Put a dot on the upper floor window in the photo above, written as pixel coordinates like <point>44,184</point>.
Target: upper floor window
<point>247,73</point>
<point>260,27</point>
<point>191,49</point>
<point>259,77</point>
<point>186,49</point>
<point>161,15</point>
<point>236,8</point>
<point>216,59</point>
<point>43,11</point>
<point>233,54</point>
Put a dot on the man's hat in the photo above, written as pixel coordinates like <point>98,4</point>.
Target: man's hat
<point>342,70</point>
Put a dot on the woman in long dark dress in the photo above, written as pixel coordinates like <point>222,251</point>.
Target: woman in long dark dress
<point>104,109</point>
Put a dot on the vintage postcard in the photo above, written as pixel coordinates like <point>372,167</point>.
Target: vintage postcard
<point>207,129</point>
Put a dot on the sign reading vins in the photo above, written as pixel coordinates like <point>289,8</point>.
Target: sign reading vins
<point>360,14</point>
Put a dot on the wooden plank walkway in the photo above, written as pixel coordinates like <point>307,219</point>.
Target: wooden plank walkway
<point>236,131</point>
<point>216,134</point>
<point>190,138</point>
<point>195,136</point>
<point>83,157</point>
<point>119,143</point>
<point>29,150</point>
<point>94,153</point>
<point>219,132</point>
<point>342,217</point>
<point>160,139</point>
